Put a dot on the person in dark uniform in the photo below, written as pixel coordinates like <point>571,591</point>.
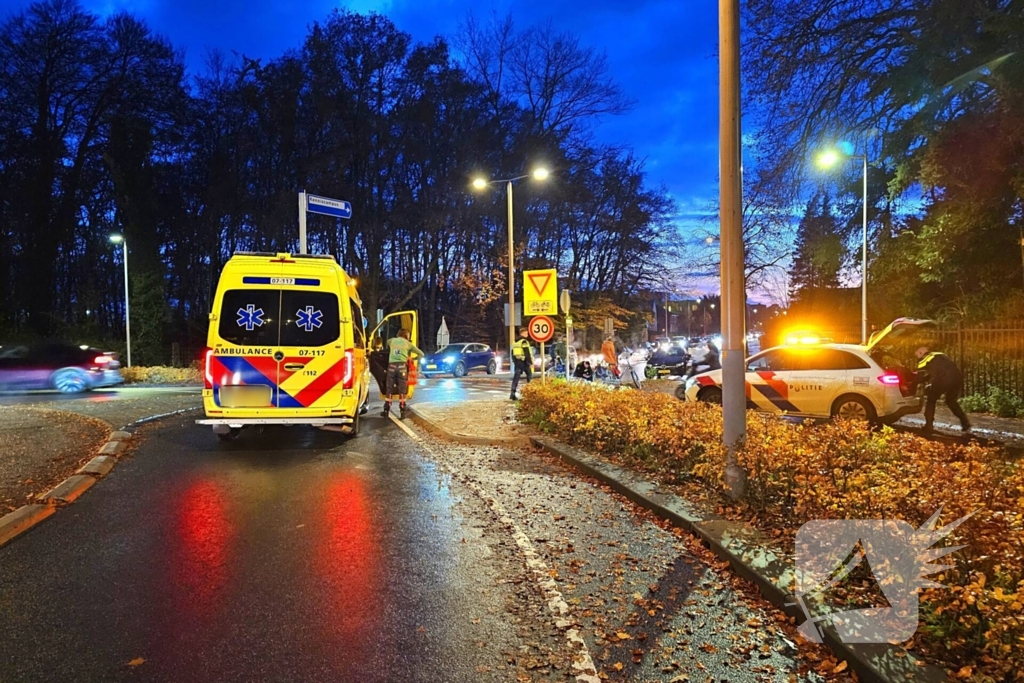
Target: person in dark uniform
<point>522,360</point>
<point>944,379</point>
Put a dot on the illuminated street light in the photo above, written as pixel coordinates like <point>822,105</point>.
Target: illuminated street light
<point>119,239</point>
<point>828,159</point>
<point>480,183</point>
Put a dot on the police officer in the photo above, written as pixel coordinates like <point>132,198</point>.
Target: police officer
<point>400,349</point>
<point>522,360</point>
<point>944,379</point>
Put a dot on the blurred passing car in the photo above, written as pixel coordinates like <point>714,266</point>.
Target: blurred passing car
<point>65,367</point>
<point>459,359</point>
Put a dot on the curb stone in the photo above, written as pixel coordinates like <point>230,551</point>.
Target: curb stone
<point>432,426</point>
<point>68,490</point>
<point>22,519</point>
<point>99,466</point>
<point>27,516</point>
<point>744,548</point>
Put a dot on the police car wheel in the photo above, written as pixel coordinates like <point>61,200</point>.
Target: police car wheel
<point>492,367</point>
<point>460,369</point>
<point>710,395</point>
<point>853,407</point>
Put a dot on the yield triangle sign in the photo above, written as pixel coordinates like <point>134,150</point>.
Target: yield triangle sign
<point>540,282</point>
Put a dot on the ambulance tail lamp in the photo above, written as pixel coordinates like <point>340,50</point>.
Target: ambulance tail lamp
<point>348,370</point>
<point>207,369</point>
<point>890,379</point>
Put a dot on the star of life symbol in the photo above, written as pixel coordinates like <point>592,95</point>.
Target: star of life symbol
<point>897,555</point>
<point>308,319</point>
<point>250,317</point>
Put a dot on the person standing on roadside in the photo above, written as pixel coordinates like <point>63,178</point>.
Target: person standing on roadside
<point>609,353</point>
<point>944,379</point>
<point>522,360</point>
<point>400,350</point>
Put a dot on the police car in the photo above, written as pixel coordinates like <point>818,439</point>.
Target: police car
<point>813,377</point>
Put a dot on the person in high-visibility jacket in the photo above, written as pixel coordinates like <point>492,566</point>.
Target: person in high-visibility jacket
<point>944,378</point>
<point>522,360</point>
<point>400,350</point>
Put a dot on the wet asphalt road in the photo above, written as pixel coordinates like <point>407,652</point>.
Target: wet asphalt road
<point>59,400</point>
<point>297,555</point>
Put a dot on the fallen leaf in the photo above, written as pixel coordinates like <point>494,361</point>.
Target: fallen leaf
<point>617,666</point>
<point>840,668</point>
<point>138,661</point>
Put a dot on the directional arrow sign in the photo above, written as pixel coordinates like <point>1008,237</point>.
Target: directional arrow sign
<point>540,292</point>
<point>329,207</point>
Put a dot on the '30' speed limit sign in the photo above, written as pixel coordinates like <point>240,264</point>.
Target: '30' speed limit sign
<point>541,329</point>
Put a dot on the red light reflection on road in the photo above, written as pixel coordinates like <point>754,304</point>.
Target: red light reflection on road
<point>347,558</point>
<point>200,547</point>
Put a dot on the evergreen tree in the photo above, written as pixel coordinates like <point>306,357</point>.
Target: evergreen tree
<point>819,250</point>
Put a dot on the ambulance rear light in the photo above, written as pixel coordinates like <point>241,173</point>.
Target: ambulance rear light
<point>207,370</point>
<point>891,379</point>
<point>348,372</point>
<point>254,253</point>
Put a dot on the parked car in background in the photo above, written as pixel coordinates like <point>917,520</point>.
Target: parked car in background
<point>65,367</point>
<point>459,359</point>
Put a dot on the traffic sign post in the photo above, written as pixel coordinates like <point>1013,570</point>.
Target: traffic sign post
<point>540,292</point>
<point>541,329</point>
<point>338,208</point>
<point>565,301</point>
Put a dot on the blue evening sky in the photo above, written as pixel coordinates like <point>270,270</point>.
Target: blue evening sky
<point>661,52</point>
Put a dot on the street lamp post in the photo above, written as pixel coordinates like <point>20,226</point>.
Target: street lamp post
<point>480,184</point>
<point>829,159</point>
<point>119,239</point>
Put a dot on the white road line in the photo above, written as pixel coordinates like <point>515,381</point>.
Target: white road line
<point>582,662</point>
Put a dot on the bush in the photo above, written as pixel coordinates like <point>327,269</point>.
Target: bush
<point>161,375</point>
<point>837,470</point>
<point>997,401</point>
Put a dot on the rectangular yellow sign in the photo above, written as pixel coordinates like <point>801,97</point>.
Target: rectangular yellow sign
<point>540,292</point>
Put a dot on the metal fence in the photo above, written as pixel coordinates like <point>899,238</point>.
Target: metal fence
<point>988,355</point>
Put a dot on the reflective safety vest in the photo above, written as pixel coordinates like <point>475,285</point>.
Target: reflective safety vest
<point>520,349</point>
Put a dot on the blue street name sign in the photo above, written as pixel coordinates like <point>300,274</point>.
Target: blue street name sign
<point>329,207</point>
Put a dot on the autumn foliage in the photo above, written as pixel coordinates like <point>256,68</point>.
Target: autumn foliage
<point>840,470</point>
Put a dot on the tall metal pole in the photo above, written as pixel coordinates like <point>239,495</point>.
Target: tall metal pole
<point>302,222</point>
<point>864,266</point>
<point>511,282</point>
<point>127,314</point>
<point>733,294</point>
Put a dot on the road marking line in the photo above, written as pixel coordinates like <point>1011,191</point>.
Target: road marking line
<point>582,662</point>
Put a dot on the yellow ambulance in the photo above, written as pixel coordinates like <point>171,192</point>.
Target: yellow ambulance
<point>287,345</point>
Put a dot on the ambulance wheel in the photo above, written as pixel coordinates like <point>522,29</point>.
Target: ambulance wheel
<point>460,370</point>
<point>492,367</point>
<point>853,407</point>
<point>230,435</point>
<point>710,395</point>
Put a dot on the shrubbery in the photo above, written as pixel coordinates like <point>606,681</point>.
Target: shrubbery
<point>836,470</point>
<point>161,375</point>
<point>997,401</point>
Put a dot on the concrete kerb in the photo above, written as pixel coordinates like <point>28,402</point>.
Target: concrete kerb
<point>27,516</point>
<point>434,427</point>
<point>742,547</point>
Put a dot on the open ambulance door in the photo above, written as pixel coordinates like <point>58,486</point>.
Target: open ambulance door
<point>377,346</point>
